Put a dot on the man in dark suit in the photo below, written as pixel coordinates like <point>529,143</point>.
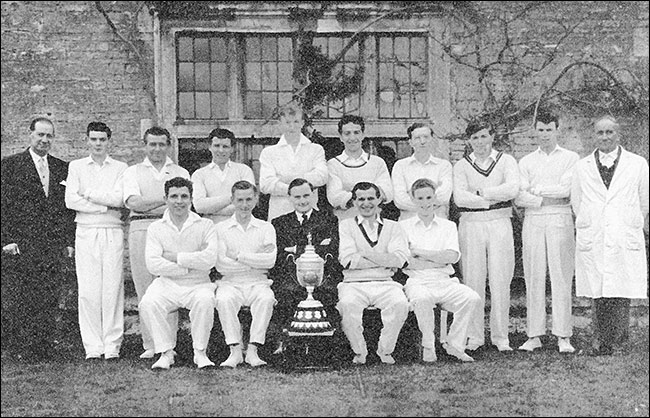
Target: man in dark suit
<point>291,231</point>
<point>37,241</point>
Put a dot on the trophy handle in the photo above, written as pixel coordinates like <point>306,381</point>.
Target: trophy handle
<point>292,257</point>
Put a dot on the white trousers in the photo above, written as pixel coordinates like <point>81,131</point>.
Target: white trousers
<point>230,297</point>
<point>99,261</point>
<point>487,248</point>
<point>387,296</point>
<point>164,296</point>
<point>141,276</point>
<point>425,293</point>
<point>548,240</point>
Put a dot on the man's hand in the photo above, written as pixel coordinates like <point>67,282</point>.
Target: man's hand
<point>171,256</point>
<point>69,251</point>
<point>11,249</point>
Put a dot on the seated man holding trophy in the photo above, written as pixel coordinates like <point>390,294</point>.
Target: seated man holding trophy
<point>371,250</point>
<point>246,251</point>
<point>296,230</point>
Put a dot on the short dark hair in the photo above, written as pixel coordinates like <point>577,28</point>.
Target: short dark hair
<point>357,120</point>
<point>242,185</point>
<point>299,182</point>
<point>98,127</point>
<point>157,131</point>
<point>478,125</point>
<point>422,183</point>
<point>32,124</point>
<point>547,117</point>
<point>365,185</point>
<point>178,182</point>
<point>221,133</point>
<point>417,125</point>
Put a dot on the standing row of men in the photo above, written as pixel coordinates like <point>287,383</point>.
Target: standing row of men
<point>610,200</point>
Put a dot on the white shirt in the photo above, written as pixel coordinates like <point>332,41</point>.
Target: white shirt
<point>608,159</point>
<point>440,235</point>
<point>43,169</point>
<point>409,169</point>
<point>350,161</point>
<point>280,164</point>
<point>299,215</point>
<point>371,228</point>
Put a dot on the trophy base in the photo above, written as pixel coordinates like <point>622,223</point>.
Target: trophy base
<point>309,353</point>
<point>310,319</point>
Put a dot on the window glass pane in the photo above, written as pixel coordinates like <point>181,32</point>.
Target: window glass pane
<point>419,105</point>
<point>253,49</point>
<point>402,78</point>
<point>352,103</point>
<point>386,99</point>
<point>336,109</point>
<point>253,76</point>
<point>335,46</point>
<point>321,43</point>
<point>219,77</point>
<point>269,76</point>
<point>385,49</point>
<point>353,52</point>
<point>269,104</point>
<point>402,48</point>
<point>253,105</point>
<point>285,98</point>
<point>185,52</point>
<point>219,105</point>
<point>285,47</point>
<point>203,106</point>
<point>385,76</point>
<point>202,73</point>
<point>419,49</point>
<point>402,105</point>
<point>219,49</point>
<point>269,49</point>
<point>285,74</point>
<point>202,49</point>
<point>186,105</point>
<point>185,77</point>
<point>418,76</point>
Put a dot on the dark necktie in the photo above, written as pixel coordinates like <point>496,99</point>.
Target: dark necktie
<point>304,219</point>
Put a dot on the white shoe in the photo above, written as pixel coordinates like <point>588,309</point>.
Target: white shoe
<point>386,358</point>
<point>236,357</point>
<point>429,355</point>
<point>564,345</point>
<point>359,359</point>
<point>148,353</point>
<point>201,359</point>
<point>165,361</point>
<point>531,345</point>
<point>252,357</point>
<point>460,355</point>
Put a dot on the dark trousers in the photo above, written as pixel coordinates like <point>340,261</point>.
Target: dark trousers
<point>611,318</point>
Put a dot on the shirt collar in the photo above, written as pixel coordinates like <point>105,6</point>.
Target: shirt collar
<point>363,157</point>
<point>610,155</point>
<point>148,162</point>
<point>303,140</point>
<point>430,160</point>
<point>192,218</point>
<point>108,160</point>
<point>213,165</point>
<point>557,148</point>
<point>493,155</point>
<point>360,219</point>
<point>37,157</point>
<point>299,215</point>
<point>232,222</point>
<point>421,222</point>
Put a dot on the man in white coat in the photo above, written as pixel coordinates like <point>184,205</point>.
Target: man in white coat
<point>609,195</point>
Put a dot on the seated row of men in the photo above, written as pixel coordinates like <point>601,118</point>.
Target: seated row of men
<point>182,247</point>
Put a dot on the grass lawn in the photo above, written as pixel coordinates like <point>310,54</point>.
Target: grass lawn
<point>543,383</point>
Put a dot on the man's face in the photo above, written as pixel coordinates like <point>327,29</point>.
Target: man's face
<point>244,201</point>
<point>481,142</point>
<point>156,148</point>
<point>221,150</point>
<point>291,124</point>
<point>546,133</point>
<point>41,138</point>
<point>607,137</point>
<point>367,202</point>
<point>302,198</point>
<point>178,201</point>
<point>421,140</point>
<point>98,143</point>
<point>352,137</point>
<point>425,200</point>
